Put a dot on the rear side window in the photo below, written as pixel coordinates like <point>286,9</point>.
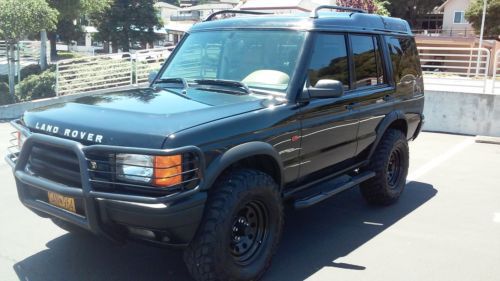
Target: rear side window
<point>404,56</point>
<point>368,67</point>
<point>329,59</point>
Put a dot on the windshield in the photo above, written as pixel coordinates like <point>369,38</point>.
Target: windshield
<point>259,59</point>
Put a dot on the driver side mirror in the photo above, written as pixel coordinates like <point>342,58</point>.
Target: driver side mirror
<point>152,75</point>
<point>326,88</point>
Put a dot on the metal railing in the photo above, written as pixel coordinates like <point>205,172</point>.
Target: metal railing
<point>467,67</point>
<point>93,73</point>
<point>496,73</point>
<point>468,33</point>
<point>146,61</point>
<point>107,71</point>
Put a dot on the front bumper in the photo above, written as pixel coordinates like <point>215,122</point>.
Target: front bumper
<point>171,219</point>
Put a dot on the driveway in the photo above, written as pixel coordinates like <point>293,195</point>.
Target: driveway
<point>446,226</point>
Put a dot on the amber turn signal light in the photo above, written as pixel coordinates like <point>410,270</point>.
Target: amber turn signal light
<point>167,170</point>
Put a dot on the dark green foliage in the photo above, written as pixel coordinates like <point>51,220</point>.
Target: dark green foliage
<point>37,86</point>
<point>5,98</point>
<point>411,10</point>
<point>492,23</point>
<point>67,55</point>
<point>128,22</point>
<point>32,69</point>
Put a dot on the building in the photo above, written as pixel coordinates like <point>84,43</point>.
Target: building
<point>454,22</point>
<point>166,11</point>
<point>198,13</point>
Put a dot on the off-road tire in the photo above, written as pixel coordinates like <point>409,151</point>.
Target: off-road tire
<point>73,229</point>
<point>211,255</point>
<point>383,189</point>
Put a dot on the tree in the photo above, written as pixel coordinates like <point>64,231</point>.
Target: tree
<point>128,22</point>
<point>70,13</point>
<point>492,22</point>
<point>411,10</point>
<point>19,20</point>
<point>372,6</point>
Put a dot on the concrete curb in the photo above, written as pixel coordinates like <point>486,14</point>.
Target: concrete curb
<point>13,111</point>
<point>486,139</point>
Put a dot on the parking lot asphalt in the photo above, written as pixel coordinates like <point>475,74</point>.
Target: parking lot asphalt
<point>446,226</point>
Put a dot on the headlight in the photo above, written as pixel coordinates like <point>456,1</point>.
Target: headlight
<point>161,171</point>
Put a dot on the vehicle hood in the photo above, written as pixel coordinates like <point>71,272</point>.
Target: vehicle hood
<point>136,118</point>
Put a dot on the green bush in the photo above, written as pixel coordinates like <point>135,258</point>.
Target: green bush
<point>5,98</point>
<point>32,69</point>
<point>61,55</point>
<point>4,78</point>
<point>37,86</point>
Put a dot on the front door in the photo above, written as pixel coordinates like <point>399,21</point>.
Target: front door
<point>329,127</point>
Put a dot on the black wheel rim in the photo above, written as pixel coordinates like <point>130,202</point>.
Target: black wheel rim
<point>249,232</point>
<point>394,168</point>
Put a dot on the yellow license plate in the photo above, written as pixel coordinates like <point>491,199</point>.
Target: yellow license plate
<point>60,201</point>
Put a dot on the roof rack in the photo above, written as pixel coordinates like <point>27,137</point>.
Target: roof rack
<point>314,13</point>
<point>212,16</point>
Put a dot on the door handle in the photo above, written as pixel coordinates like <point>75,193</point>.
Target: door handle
<point>388,98</point>
<point>350,106</point>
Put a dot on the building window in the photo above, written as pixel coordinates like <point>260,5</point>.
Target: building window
<point>459,17</point>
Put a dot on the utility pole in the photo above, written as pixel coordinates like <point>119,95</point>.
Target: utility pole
<point>479,58</point>
<point>12,69</point>
<point>43,49</point>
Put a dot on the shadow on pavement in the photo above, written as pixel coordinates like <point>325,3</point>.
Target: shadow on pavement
<point>313,238</point>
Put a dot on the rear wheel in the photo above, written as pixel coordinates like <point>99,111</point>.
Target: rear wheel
<point>240,230</point>
<point>390,163</point>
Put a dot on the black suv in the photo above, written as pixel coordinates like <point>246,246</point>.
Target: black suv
<point>248,114</point>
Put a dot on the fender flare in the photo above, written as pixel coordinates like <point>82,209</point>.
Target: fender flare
<point>384,125</point>
<point>237,153</point>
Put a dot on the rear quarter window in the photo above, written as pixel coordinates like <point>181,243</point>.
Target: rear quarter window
<point>404,56</point>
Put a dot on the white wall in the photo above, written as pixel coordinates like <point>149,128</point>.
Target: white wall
<point>462,113</point>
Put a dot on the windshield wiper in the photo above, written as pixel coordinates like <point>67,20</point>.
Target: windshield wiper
<point>182,81</point>
<point>222,82</point>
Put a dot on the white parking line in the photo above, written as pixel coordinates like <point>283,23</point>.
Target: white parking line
<point>496,217</point>
<point>439,160</point>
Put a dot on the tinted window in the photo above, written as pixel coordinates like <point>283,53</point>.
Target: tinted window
<point>404,56</point>
<point>329,59</point>
<point>367,61</point>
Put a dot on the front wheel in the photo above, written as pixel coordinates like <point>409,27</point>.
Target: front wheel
<point>390,163</point>
<point>240,230</point>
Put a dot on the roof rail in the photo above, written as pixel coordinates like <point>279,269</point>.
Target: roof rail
<point>314,13</point>
<point>212,16</point>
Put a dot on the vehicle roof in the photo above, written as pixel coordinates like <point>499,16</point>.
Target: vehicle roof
<point>338,21</point>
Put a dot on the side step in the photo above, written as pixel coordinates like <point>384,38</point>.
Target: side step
<point>335,189</point>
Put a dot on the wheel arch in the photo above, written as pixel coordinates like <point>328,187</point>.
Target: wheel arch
<point>394,120</point>
<point>254,155</point>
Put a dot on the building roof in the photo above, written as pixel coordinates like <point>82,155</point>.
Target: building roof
<point>214,6</point>
<point>269,4</point>
<point>328,20</point>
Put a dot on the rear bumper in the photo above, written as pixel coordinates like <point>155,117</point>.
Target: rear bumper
<point>170,220</point>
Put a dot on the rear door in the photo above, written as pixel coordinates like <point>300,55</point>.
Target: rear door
<point>374,94</point>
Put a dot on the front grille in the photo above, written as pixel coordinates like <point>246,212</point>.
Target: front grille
<point>56,164</point>
<point>62,166</point>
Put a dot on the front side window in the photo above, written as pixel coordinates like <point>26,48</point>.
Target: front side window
<point>367,61</point>
<point>329,59</point>
<point>260,59</point>
<point>459,17</point>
